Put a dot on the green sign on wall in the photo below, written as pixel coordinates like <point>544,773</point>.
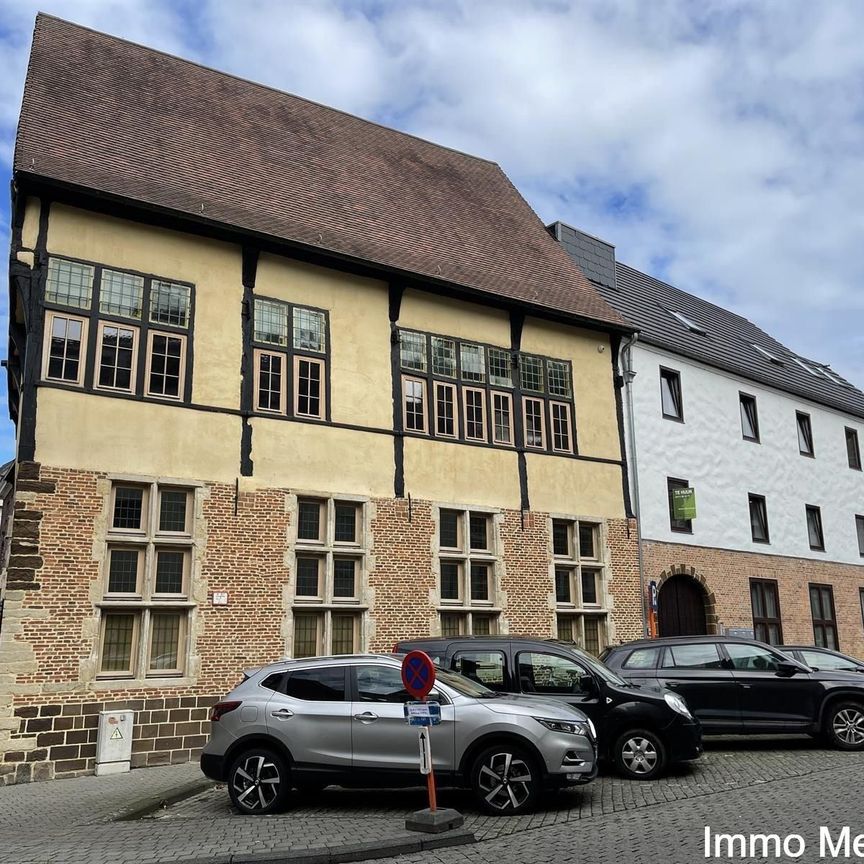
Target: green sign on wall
<point>684,503</point>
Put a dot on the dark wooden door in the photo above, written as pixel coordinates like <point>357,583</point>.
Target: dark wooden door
<point>681,608</point>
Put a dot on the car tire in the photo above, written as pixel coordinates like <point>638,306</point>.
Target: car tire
<point>258,782</point>
<point>639,754</point>
<point>506,780</point>
<point>844,725</point>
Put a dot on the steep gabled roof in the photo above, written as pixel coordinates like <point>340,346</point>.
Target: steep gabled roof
<point>717,337</point>
<point>128,122</point>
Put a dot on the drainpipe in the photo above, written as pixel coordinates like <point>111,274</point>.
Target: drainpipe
<point>629,374</point>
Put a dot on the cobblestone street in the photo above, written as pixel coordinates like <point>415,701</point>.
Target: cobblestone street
<point>780,787</point>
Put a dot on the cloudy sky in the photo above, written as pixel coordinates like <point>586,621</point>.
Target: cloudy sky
<point>718,145</point>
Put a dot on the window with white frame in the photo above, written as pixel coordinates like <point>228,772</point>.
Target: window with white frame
<point>121,307</point>
<point>414,404</point>
<point>289,357</point>
<point>446,410</point>
<point>467,560</point>
<point>146,599</point>
<point>474,413</point>
<point>502,418</point>
<point>535,426</point>
<point>329,576</point>
<point>580,582</point>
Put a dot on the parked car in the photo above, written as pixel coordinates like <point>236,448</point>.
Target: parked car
<point>742,686</point>
<point>305,724</point>
<point>823,658</point>
<point>641,731</point>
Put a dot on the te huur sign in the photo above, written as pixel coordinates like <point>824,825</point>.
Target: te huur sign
<point>684,503</point>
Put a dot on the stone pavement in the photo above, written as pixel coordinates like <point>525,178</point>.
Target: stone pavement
<point>77,820</point>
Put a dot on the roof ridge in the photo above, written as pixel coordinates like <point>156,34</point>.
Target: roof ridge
<point>258,84</point>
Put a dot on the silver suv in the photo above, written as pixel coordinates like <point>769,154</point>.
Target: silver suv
<point>305,724</point>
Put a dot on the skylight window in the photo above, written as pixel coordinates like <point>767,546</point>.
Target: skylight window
<point>807,368</point>
<point>773,358</point>
<point>692,326</point>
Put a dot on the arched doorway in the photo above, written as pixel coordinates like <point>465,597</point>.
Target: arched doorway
<point>681,607</point>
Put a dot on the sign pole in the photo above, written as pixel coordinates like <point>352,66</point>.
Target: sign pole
<point>430,777</point>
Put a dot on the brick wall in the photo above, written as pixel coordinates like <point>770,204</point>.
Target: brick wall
<point>726,577</point>
<point>50,695</point>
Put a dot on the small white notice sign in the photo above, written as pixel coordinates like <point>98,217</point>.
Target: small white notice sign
<point>220,598</point>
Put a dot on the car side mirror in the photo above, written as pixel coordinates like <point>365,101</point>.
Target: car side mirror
<point>786,669</point>
<point>587,684</point>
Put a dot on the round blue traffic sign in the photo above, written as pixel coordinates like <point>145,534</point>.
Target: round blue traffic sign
<point>418,674</point>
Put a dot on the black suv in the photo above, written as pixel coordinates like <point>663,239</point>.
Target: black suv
<point>640,730</point>
<point>736,686</point>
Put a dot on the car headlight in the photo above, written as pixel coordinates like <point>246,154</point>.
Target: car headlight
<point>573,727</point>
<point>676,703</point>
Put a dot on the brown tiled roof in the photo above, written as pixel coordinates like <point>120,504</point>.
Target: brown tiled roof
<point>107,115</point>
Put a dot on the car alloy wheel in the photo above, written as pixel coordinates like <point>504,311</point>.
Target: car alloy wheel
<point>639,755</point>
<point>505,780</point>
<point>847,725</point>
<point>257,782</point>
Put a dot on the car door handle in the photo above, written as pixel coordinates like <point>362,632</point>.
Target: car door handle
<point>745,686</point>
<point>282,713</point>
<point>673,684</point>
<point>366,717</point>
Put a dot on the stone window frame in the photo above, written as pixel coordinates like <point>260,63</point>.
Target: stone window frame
<point>570,617</point>
<point>464,615</point>
<point>144,604</point>
<point>325,607</point>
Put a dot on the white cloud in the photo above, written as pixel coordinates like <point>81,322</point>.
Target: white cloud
<point>718,141</point>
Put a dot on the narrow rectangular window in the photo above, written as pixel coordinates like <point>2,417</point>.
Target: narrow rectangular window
<point>121,294</point>
<point>270,382</point>
<point>443,357</point>
<point>308,577</point>
<point>475,414</point>
<point>824,617</point>
<point>479,581</point>
<point>412,350</point>
<point>128,508</point>
<point>119,634</point>
<point>169,303</point>
<point>852,451</point>
<point>171,569</point>
<point>749,417</point>
<point>69,283</point>
<point>558,378</point>
<point>502,417</point>
<point>473,359</point>
<point>500,372</point>
<point>414,404</point>
<point>561,437</point>
<point>124,570</point>
<point>174,511</point>
<point>561,538</point>
<point>344,635</point>
<point>166,364</point>
<point>535,431</point>
<point>670,394</point>
<point>310,330</point>
<point>479,533</point>
<point>117,357</point>
<point>814,528</point>
<point>682,525</point>
<point>564,585</point>
<point>308,629</point>
<point>765,604</point>
<point>166,635</point>
<point>758,519</point>
<point>309,388</point>
<point>531,374</point>
<point>346,522</point>
<point>805,433</point>
<point>590,579</point>
<point>65,346</point>
<point>449,534</point>
<point>451,581</point>
<point>310,521</point>
<point>344,578</point>
<point>859,528</point>
<point>446,425</point>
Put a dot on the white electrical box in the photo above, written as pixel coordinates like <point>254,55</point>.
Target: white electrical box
<point>114,742</point>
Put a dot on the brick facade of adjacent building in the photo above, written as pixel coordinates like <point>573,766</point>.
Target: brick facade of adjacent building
<point>725,577</point>
<point>48,644</point>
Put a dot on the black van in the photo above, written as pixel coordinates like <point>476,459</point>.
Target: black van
<point>641,730</point>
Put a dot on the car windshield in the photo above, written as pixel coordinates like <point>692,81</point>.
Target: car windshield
<point>597,667</point>
<point>464,686</point>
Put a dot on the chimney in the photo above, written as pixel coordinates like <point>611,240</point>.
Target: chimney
<point>594,257</point>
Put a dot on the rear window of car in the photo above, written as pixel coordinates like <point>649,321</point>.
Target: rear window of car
<point>326,684</point>
<point>703,655</point>
<point>274,682</point>
<point>642,658</point>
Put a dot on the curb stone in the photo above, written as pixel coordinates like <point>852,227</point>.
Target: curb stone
<point>152,803</point>
<point>348,852</point>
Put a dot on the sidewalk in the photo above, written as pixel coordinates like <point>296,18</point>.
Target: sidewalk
<point>104,820</point>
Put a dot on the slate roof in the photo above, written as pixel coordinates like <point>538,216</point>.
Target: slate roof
<point>103,114</point>
<point>729,339</point>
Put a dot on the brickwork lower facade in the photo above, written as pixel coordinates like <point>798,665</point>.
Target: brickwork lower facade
<point>724,577</point>
<point>241,604</point>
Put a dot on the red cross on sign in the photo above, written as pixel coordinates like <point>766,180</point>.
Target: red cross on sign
<point>418,674</point>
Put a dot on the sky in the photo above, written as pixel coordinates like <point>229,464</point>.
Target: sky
<point>716,143</point>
